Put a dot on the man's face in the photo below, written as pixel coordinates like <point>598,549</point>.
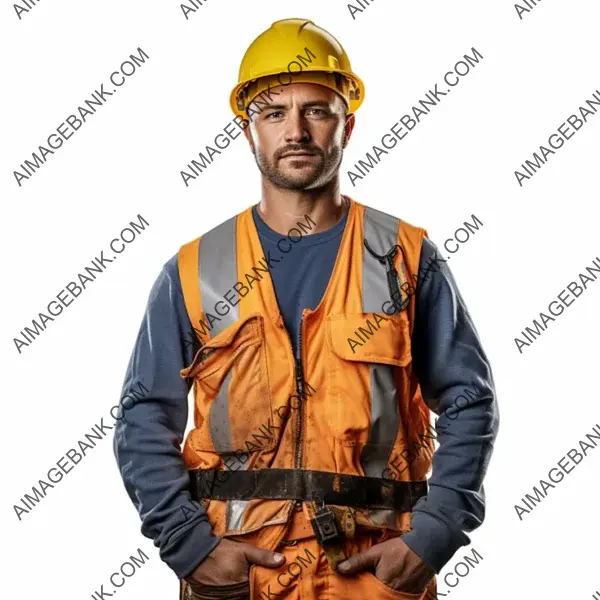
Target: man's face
<point>304,118</point>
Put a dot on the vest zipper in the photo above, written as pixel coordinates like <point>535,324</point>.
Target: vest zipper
<point>299,379</point>
<point>298,376</point>
<point>300,392</point>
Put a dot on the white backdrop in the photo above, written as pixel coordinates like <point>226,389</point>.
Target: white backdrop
<point>460,160</point>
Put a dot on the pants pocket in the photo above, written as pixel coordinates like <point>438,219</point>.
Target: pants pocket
<point>234,591</point>
<point>385,592</point>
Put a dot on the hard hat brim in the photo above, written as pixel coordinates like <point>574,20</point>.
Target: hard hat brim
<point>285,78</point>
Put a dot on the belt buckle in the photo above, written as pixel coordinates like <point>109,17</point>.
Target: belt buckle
<point>324,525</point>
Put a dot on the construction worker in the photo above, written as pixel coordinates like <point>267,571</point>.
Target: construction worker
<point>318,334</point>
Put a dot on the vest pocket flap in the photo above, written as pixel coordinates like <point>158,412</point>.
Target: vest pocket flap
<point>241,333</point>
<point>370,337</point>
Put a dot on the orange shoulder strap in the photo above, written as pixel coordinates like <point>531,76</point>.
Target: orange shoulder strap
<point>189,274</point>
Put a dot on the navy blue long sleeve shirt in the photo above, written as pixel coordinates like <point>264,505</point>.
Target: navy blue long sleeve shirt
<point>447,357</point>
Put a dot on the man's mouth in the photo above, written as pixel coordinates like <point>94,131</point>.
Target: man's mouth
<point>289,154</point>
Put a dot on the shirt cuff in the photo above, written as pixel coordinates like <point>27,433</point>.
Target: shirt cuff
<point>432,541</point>
<point>189,549</point>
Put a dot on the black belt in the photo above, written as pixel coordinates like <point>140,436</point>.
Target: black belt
<point>300,484</point>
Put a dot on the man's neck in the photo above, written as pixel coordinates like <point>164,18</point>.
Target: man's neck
<point>285,211</point>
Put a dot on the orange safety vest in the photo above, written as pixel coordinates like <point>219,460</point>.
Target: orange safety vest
<point>362,409</point>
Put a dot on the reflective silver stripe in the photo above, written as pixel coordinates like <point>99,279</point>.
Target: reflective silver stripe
<point>381,232</point>
<point>235,508</point>
<point>384,517</point>
<point>218,272</point>
<point>220,427</point>
<point>384,420</point>
<point>235,513</point>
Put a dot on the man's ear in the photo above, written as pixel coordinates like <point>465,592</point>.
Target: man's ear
<point>249,138</point>
<point>348,127</point>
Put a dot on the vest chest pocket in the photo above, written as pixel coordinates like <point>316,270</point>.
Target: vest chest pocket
<point>368,350</point>
<point>231,389</point>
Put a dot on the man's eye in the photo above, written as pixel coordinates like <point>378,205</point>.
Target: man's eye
<point>319,111</point>
<point>273,113</point>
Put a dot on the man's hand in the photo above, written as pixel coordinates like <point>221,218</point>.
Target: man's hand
<point>229,564</point>
<point>394,564</point>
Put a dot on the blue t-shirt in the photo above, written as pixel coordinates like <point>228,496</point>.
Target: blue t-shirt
<point>301,278</point>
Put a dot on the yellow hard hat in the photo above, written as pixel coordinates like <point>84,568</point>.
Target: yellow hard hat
<point>290,51</point>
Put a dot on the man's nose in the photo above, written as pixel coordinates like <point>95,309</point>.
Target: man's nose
<point>296,130</point>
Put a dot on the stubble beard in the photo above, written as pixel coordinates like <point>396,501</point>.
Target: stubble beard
<point>322,172</point>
